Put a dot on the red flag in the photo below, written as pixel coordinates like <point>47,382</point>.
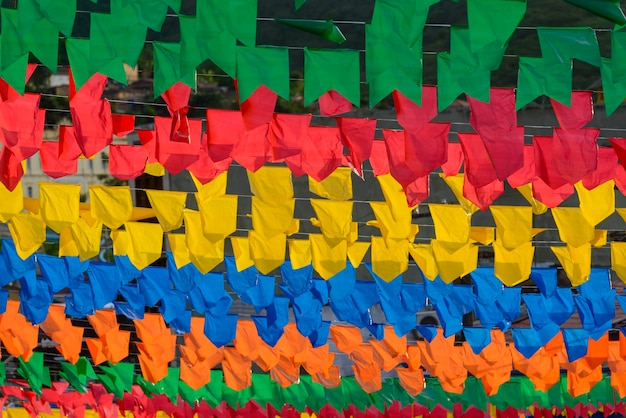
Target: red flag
<point>427,148</point>
<point>576,153</point>
<point>177,155</point>
<point>620,178</point>
<point>478,168</point>
<point>455,159</point>
<point>619,146</point>
<point>253,148</point>
<point>127,161</point>
<point>122,124</point>
<point>379,159</point>
<point>22,125</point>
<point>68,144</point>
<point>544,162</point>
<point>11,170</point>
<point>607,164</point>
<point>551,197</point>
<point>177,97</point>
<point>333,103</point>
<point>91,116</point>
<point>527,173</point>
<point>578,114</point>
<point>321,153</point>
<point>411,116</point>
<point>357,135</point>
<point>496,123</point>
<point>483,196</point>
<point>148,142</point>
<point>258,109</point>
<point>205,169</point>
<point>418,191</point>
<point>287,133</point>
<point>224,128</point>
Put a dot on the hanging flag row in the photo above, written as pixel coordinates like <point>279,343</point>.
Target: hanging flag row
<point>487,357</point>
<point>393,52</point>
<point>452,253</point>
<point>267,400</point>
<point>350,300</point>
<point>255,135</point>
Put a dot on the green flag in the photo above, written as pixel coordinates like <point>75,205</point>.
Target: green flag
<point>60,14</point>
<point>15,74</point>
<point>237,17</point>
<point>608,9</point>
<point>337,70</point>
<point>112,36</point>
<point>323,28</point>
<point>391,65</point>
<point>34,372</point>
<point>118,378</point>
<point>560,45</point>
<point>85,63</point>
<point>147,13</point>
<point>167,68</point>
<point>536,77</point>
<point>493,21</point>
<point>37,34</point>
<point>299,3</point>
<point>263,65</point>
<point>220,48</point>
<point>613,87</point>
<point>77,375</point>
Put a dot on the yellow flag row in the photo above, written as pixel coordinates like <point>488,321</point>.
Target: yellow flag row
<point>451,254</point>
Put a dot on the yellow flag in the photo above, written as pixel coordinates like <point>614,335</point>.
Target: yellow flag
<point>334,218</point>
<point>327,260</point>
<point>168,207</point>
<point>111,205</point>
<point>219,216</point>
<point>272,217</point>
<point>452,223</point>
<point>356,252</point>
<point>514,225</point>
<point>12,202</point>
<point>59,204</point>
<point>423,256</point>
<point>121,242</point>
<point>87,238</point>
<point>28,232</point>
<point>389,262</point>
<point>454,260</point>
<point>146,243</point>
<point>455,183</point>
<point>391,228</point>
<point>573,228</point>
<point>526,191</point>
<point>576,262</point>
<point>618,259</point>
<point>179,249</point>
<point>67,246</point>
<point>214,188</point>
<point>154,169</point>
<point>600,238</point>
<point>204,253</point>
<point>31,204</point>
<point>299,253</point>
<point>271,183</point>
<point>482,234</point>
<point>241,251</point>
<point>337,186</point>
<point>512,266</point>
<point>597,204</point>
<point>394,196</point>
<point>268,253</point>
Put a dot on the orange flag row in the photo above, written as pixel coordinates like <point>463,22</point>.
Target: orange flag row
<point>443,358</point>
